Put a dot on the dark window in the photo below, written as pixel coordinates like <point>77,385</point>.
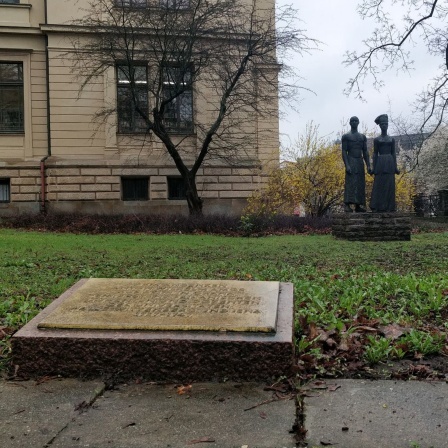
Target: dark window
<point>176,188</point>
<point>178,4</point>
<point>11,97</point>
<point>132,81</point>
<point>134,188</point>
<point>178,116</point>
<point>131,3</point>
<point>10,1</point>
<point>5,190</point>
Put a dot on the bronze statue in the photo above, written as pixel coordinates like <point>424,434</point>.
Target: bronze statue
<point>354,154</point>
<point>384,169</point>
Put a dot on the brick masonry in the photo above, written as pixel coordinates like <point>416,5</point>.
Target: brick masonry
<point>96,183</point>
<point>25,183</point>
<point>372,226</point>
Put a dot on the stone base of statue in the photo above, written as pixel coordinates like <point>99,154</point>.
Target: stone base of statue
<point>372,226</point>
<point>161,330</point>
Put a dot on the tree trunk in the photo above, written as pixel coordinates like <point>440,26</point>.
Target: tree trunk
<point>193,199</point>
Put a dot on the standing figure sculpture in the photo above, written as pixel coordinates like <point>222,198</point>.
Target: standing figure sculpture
<point>354,154</point>
<point>384,169</point>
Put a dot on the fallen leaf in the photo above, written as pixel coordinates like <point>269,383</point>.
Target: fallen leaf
<point>325,335</point>
<point>182,390</point>
<point>367,329</point>
<point>334,387</point>
<point>201,440</point>
<point>331,342</point>
<point>324,443</point>
<point>313,331</point>
<point>355,365</point>
<point>343,346</point>
<point>420,369</point>
<point>307,358</point>
<point>6,331</point>
<point>393,331</point>
<point>263,415</point>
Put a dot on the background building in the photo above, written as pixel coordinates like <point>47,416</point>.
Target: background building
<point>56,155</point>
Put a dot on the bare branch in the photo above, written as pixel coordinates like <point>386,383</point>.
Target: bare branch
<point>423,20</point>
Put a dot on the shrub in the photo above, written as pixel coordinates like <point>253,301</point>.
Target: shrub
<point>166,224</point>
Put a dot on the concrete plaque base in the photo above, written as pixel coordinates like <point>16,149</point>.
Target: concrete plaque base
<point>155,355</point>
<point>372,226</point>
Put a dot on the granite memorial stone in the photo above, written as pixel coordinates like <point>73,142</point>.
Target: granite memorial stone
<point>161,330</point>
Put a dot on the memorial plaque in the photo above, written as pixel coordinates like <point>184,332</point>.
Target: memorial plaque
<point>134,304</point>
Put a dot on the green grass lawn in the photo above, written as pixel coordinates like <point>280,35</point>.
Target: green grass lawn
<point>345,292</point>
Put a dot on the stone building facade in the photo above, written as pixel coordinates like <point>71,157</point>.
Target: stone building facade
<point>55,156</point>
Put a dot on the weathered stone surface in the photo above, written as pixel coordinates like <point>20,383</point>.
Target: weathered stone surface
<point>374,414</point>
<point>67,413</point>
<point>155,416</point>
<point>140,304</point>
<point>372,226</point>
<point>156,355</point>
<point>32,414</point>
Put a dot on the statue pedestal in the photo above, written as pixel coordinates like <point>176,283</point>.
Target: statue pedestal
<point>389,226</point>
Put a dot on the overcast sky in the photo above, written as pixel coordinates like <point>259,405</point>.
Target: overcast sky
<point>337,24</point>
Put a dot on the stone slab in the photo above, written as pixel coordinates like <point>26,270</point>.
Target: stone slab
<point>156,355</point>
<point>33,414</point>
<point>372,414</point>
<point>180,305</point>
<point>142,416</point>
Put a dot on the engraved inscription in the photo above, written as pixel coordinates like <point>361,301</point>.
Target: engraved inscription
<point>170,300</point>
<point>158,305</point>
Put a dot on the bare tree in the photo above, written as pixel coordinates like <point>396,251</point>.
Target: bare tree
<point>390,46</point>
<point>225,51</point>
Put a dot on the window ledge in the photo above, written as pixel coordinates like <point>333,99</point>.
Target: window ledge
<point>15,5</point>
<point>130,134</point>
<point>183,133</point>
<point>173,132</point>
